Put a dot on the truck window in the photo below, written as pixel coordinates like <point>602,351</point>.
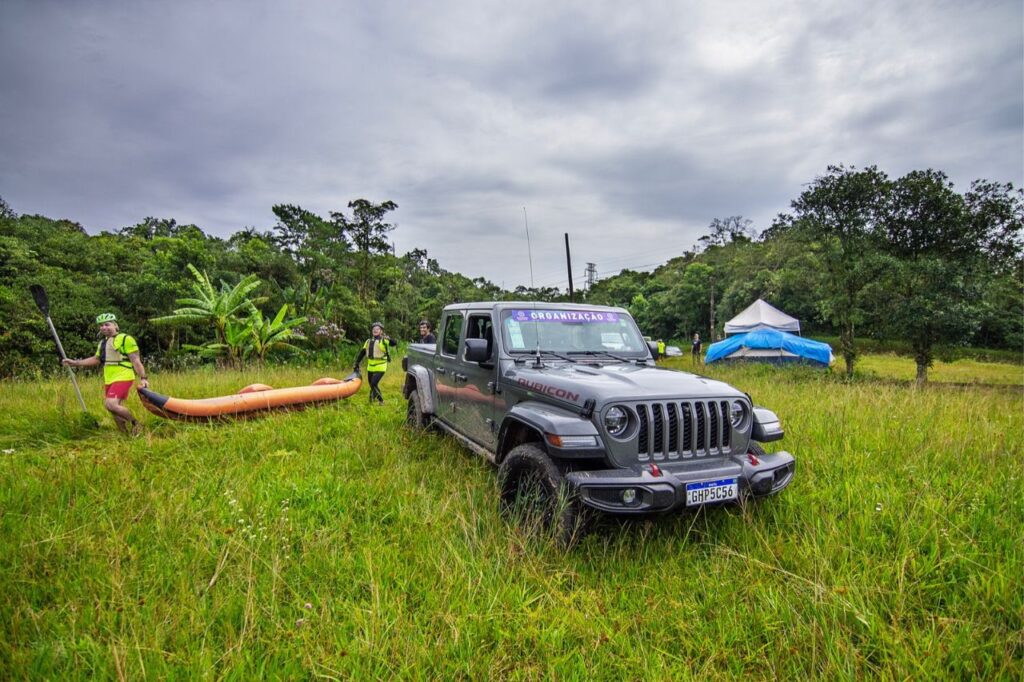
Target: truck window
<point>450,335</point>
<point>481,327</point>
<point>571,331</point>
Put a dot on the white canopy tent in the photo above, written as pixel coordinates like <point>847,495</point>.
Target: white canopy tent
<point>762,315</point>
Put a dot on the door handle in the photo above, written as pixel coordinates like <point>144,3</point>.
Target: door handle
<point>460,377</point>
<point>440,370</point>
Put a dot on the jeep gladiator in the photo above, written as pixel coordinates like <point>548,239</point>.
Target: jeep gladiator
<point>567,401</point>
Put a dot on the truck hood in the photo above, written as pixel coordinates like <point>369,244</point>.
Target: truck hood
<point>616,382</point>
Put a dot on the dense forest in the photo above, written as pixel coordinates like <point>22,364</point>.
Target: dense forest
<point>858,255</point>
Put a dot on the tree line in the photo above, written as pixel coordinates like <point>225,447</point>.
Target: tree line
<point>859,254</point>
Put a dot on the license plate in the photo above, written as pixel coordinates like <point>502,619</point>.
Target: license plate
<point>704,492</point>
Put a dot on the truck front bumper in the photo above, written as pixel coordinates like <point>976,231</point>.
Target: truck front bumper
<point>639,491</point>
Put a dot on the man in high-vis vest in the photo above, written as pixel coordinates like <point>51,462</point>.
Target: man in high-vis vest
<point>377,351</point>
<point>119,355</point>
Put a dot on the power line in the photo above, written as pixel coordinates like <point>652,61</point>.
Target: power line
<point>611,274</point>
<point>619,259</point>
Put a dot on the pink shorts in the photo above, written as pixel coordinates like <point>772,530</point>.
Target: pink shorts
<point>118,389</point>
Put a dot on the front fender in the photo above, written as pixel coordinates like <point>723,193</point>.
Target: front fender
<point>766,426</point>
<point>418,377</point>
<point>548,419</point>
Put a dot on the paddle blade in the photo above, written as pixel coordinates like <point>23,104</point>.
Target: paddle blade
<point>39,294</point>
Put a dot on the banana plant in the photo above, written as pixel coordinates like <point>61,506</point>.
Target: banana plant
<point>273,334</point>
<point>236,347</point>
<point>217,307</point>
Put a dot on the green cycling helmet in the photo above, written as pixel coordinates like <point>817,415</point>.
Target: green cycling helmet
<point>106,317</point>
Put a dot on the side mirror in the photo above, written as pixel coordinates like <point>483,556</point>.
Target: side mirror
<point>653,347</point>
<point>476,350</point>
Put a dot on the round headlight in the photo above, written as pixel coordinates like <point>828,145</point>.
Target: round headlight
<point>737,413</point>
<point>616,420</point>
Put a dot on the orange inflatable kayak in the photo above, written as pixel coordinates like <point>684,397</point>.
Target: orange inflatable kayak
<point>253,400</point>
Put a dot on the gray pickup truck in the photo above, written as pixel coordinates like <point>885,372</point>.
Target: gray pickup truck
<point>566,400</point>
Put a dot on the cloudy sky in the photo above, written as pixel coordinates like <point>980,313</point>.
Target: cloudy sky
<point>630,125</point>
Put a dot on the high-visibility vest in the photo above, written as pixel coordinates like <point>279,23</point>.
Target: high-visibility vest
<point>378,354</point>
<point>114,358</point>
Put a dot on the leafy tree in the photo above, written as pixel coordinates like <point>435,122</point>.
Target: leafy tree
<point>618,290</point>
<point>725,230</point>
<point>944,251</point>
<point>931,295</point>
<point>151,228</point>
<point>6,212</point>
<point>317,245</point>
<point>996,223</point>
<point>838,217</point>
<point>369,234</point>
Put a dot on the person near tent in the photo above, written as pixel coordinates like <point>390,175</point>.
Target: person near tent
<point>377,351</point>
<point>695,347</point>
<point>118,353</point>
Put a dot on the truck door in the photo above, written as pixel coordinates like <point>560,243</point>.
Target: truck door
<point>446,364</point>
<point>474,404</point>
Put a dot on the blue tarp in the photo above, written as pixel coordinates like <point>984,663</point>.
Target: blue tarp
<point>770,339</point>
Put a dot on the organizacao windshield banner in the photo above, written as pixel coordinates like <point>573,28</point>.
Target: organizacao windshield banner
<point>576,316</point>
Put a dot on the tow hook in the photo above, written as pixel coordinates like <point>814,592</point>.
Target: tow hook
<point>655,470</point>
<point>753,460</point>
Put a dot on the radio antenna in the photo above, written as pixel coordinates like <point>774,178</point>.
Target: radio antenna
<point>529,250</point>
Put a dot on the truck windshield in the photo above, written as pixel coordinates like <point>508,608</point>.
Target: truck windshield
<point>571,331</point>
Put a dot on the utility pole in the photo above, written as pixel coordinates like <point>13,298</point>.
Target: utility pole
<point>591,275</point>
<point>568,265</point>
<point>711,336</point>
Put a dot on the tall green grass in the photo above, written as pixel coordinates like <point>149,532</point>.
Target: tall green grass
<point>334,543</point>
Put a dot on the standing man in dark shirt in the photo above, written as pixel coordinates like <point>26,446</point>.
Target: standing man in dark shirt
<point>695,348</point>
<point>426,334</point>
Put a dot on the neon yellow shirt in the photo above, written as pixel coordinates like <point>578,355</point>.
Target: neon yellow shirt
<point>116,365</point>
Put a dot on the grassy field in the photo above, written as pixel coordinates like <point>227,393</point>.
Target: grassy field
<point>333,543</point>
<point>957,372</point>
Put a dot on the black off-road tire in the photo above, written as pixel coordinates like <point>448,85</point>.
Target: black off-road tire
<point>534,493</point>
<point>414,416</point>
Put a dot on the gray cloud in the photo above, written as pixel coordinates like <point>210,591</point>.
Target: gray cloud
<point>629,126</point>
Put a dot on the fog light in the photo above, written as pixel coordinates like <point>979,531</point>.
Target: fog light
<point>629,495</point>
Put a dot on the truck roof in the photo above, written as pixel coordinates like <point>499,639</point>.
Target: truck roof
<point>527,305</point>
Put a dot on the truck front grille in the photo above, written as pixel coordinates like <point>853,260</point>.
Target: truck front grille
<point>681,430</point>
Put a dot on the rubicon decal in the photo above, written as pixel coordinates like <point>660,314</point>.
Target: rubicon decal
<point>549,390</point>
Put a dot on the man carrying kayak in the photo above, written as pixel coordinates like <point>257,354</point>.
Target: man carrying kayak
<point>119,355</point>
